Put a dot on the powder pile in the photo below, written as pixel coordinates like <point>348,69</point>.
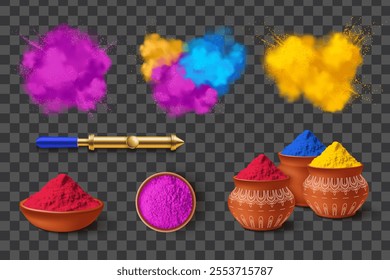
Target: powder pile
<point>165,202</point>
<point>65,69</point>
<point>190,77</point>
<point>261,169</point>
<point>305,144</point>
<point>61,194</point>
<point>323,70</point>
<point>335,156</point>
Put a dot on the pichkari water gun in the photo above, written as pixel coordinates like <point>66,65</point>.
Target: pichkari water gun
<point>93,142</point>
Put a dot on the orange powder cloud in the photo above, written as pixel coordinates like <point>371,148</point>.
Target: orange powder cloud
<point>157,51</point>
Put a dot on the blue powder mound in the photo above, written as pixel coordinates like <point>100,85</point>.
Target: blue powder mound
<point>214,60</point>
<point>306,144</point>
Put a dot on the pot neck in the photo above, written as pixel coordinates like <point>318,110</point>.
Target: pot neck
<point>336,172</point>
<point>261,185</point>
<point>295,161</point>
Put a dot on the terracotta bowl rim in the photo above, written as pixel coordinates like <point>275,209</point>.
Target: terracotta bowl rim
<point>189,218</point>
<point>262,181</point>
<point>340,168</point>
<point>288,156</point>
<point>101,205</point>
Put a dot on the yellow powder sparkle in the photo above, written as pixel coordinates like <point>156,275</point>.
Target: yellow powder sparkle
<point>322,70</point>
<point>335,156</point>
<point>157,51</point>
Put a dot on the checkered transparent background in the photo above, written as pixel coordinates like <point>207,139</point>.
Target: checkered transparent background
<point>251,119</point>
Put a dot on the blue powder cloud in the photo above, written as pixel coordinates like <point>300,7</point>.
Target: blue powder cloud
<point>214,60</point>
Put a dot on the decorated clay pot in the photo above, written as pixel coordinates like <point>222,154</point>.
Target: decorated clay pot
<point>296,168</point>
<point>261,205</point>
<point>335,192</point>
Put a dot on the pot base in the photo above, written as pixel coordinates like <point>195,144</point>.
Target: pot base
<point>258,229</point>
<point>335,217</point>
<point>301,205</point>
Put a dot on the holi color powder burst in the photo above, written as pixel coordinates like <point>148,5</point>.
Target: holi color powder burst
<point>189,77</point>
<point>65,69</point>
<point>322,70</point>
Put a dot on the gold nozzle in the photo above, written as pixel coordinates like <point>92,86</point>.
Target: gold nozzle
<point>93,142</point>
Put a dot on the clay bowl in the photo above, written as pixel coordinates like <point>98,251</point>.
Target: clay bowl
<point>335,192</point>
<point>193,202</point>
<point>61,221</point>
<point>261,205</point>
<point>296,168</point>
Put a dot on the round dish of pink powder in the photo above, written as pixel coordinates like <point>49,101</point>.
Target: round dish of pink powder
<point>165,202</point>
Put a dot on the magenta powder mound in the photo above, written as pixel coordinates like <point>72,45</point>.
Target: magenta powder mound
<point>165,202</point>
<point>65,69</point>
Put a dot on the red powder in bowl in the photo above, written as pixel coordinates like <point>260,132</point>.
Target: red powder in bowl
<point>61,194</point>
<point>261,169</point>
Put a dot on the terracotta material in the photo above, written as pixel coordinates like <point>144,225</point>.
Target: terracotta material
<point>335,192</point>
<point>296,168</point>
<point>193,202</point>
<point>61,221</point>
<point>261,205</point>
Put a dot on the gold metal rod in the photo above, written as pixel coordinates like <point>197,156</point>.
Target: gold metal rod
<point>93,142</point>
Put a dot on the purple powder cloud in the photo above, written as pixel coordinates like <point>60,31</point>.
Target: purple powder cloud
<point>65,69</point>
<point>178,95</point>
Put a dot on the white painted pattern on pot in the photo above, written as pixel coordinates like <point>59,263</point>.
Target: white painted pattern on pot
<point>261,222</point>
<point>270,223</point>
<point>331,209</point>
<point>335,185</point>
<point>243,220</point>
<point>279,220</point>
<point>261,198</point>
<point>334,209</point>
<point>352,208</point>
<point>325,206</point>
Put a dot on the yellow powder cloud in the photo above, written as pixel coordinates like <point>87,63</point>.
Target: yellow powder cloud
<point>322,70</point>
<point>157,51</point>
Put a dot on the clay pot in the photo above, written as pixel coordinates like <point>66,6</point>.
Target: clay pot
<point>261,205</point>
<point>296,168</point>
<point>335,192</point>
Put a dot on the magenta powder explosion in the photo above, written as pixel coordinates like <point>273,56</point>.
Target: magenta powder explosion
<point>65,69</point>
<point>190,77</point>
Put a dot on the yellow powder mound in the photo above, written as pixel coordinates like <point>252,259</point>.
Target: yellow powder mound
<point>335,156</point>
<point>321,69</point>
<point>157,51</point>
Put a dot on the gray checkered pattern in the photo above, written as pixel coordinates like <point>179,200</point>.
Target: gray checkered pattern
<point>251,119</point>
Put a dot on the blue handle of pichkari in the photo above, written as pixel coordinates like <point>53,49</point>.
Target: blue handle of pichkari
<point>48,142</point>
